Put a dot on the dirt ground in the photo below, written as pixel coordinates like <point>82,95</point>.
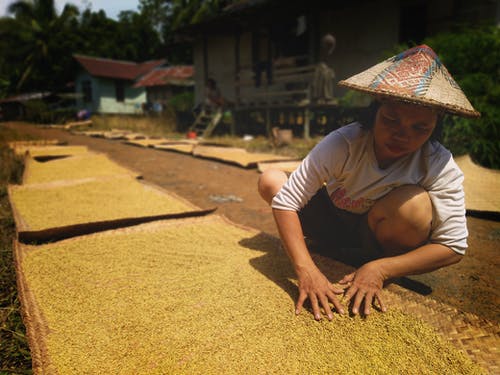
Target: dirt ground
<point>470,286</point>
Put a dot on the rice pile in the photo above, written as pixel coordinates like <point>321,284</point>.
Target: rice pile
<point>71,168</point>
<point>84,201</point>
<point>148,142</point>
<point>235,155</point>
<point>185,148</point>
<point>202,296</point>
<point>36,151</point>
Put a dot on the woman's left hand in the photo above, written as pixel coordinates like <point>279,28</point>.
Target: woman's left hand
<point>364,285</point>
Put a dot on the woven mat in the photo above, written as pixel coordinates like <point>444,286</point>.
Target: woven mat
<point>89,133</point>
<point>75,124</point>
<point>481,185</point>
<point>67,208</point>
<point>285,166</point>
<point>185,148</point>
<point>235,155</point>
<point>115,135</point>
<point>148,142</point>
<point>204,296</point>
<point>36,142</point>
<point>37,151</point>
<point>132,136</point>
<point>81,166</point>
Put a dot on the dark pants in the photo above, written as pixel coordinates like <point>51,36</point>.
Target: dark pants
<point>334,232</point>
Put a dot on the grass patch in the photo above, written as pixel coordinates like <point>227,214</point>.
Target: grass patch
<point>155,126</point>
<point>14,351</point>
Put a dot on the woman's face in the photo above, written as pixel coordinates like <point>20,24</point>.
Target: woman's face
<point>401,129</point>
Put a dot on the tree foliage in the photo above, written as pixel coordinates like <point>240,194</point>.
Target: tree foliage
<point>37,44</point>
<point>472,55</point>
<point>36,37</point>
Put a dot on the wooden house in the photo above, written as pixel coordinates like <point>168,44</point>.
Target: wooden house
<point>263,54</point>
<point>107,86</point>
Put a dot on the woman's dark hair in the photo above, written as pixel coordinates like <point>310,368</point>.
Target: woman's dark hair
<point>367,120</point>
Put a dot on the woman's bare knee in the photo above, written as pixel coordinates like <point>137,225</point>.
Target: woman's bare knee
<point>270,182</point>
<point>401,220</point>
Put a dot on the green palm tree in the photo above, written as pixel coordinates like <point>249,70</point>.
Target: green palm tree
<point>41,34</point>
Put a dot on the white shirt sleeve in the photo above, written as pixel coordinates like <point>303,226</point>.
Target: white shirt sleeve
<point>449,226</point>
<point>323,163</point>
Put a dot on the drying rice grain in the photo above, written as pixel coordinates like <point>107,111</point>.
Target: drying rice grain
<point>71,168</point>
<point>206,297</point>
<point>93,201</point>
<point>235,155</point>
<point>51,150</point>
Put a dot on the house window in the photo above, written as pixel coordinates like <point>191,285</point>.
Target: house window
<point>87,91</point>
<point>120,91</point>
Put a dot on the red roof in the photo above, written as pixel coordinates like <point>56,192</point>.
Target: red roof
<point>117,69</point>
<point>172,75</point>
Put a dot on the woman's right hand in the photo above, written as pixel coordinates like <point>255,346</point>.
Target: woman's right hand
<point>320,291</point>
<point>312,283</point>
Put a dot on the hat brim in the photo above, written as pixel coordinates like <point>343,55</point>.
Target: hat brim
<point>399,96</point>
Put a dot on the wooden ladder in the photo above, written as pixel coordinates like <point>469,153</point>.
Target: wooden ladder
<point>205,122</point>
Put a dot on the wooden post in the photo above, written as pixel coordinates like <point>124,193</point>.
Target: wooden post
<point>306,124</point>
<point>205,60</point>
<point>268,121</point>
<point>236,78</point>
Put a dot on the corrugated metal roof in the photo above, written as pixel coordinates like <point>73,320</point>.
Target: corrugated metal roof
<point>117,69</point>
<point>172,75</point>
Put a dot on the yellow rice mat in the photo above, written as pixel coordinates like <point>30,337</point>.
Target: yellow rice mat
<point>202,296</point>
<point>76,124</point>
<point>235,155</point>
<point>481,186</point>
<point>285,166</point>
<point>90,133</point>
<point>82,166</point>
<point>37,142</point>
<point>69,203</point>
<point>185,148</point>
<point>113,134</point>
<point>49,151</point>
<point>147,142</point>
<point>132,136</point>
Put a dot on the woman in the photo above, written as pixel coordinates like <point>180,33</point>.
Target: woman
<point>383,190</point>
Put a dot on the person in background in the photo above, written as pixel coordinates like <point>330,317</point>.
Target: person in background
<point>324,75</point>
<point>383,190</point>
<point>213,96</point>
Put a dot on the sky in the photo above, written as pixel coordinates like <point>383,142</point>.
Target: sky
<point>111,7</point>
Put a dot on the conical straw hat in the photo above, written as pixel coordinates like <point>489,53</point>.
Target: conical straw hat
<point>417,76</point>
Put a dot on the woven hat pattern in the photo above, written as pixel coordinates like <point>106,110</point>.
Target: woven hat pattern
<point>416,75</point>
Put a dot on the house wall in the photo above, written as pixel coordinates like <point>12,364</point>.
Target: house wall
<point>199,70</point>
<point>104,96</point>
<point>221,65</point>
<point>80,103</point>
<point>134,98</point>
<point>362,39</point>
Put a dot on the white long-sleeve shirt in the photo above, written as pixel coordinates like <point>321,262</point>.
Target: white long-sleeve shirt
<point>345,160</point>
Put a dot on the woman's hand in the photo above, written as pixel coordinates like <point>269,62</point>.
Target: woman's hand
<point>365,285</point>
<point>320,291</point>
